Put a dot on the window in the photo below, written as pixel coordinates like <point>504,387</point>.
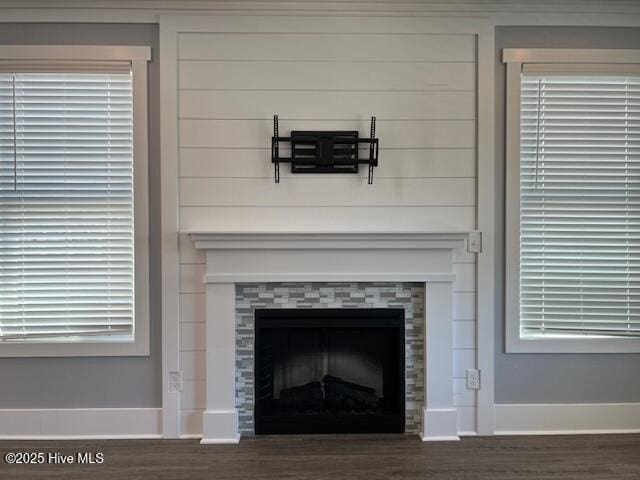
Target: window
<point>73,262</point>
<point>573,204</point>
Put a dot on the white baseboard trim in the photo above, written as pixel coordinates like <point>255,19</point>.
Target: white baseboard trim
<point>440,439</point>
<point>81,437</point>
<point>220,426</point>
<point>567,419</point>
<point>220,441</point>
<point>439,425</point>
<point>80,423</point>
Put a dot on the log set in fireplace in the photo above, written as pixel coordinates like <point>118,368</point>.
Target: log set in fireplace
<point>329,371</point>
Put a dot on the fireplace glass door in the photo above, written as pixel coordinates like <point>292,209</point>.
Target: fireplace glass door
<point>329,371</point>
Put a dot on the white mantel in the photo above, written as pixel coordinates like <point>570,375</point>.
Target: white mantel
<point>231,258</point>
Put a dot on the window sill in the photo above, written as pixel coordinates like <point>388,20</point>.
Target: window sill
<point>607,345</point>
<point>137,348</point>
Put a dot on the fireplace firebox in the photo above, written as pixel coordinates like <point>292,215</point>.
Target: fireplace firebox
<point>329,371</point>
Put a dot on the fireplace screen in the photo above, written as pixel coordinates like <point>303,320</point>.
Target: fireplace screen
<point>329,371</point>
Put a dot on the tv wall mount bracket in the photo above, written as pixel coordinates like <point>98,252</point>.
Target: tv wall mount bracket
<point>324,151</point>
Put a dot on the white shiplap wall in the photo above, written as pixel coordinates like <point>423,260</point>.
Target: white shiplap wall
<point>421,87</point>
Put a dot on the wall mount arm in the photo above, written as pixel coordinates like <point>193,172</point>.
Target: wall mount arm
<point>324,151</point>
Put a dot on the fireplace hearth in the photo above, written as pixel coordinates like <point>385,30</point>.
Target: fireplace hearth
<point>329,371</point>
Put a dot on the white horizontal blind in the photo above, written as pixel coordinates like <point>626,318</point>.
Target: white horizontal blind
<point>66,207</point>
<point>580,206</point>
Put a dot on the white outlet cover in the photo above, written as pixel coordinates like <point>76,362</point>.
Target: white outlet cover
<point>473,379</point>
<point>175,382</point>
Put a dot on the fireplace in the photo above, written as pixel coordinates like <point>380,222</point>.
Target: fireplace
<point>236,259</point>
<point>329,371</point>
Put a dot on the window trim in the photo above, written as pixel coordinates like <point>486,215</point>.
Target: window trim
<point>138,56</point>
<point>514,58</point>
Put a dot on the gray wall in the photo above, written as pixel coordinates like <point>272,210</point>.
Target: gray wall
<point>553,378</point>
<point>96,382</point>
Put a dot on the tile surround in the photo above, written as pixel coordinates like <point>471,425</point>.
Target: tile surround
<point>409,296</point>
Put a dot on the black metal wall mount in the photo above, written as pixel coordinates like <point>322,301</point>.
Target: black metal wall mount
<point>324,151</point>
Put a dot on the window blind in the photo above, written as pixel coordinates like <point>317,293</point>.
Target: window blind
<point>579,205</point>
<point>66,206</point>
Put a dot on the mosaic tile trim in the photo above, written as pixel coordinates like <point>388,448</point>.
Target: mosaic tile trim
<point>409,296</point>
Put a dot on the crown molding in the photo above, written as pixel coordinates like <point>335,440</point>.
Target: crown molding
<point>149,11</point>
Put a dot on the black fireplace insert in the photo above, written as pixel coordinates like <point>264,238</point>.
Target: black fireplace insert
<point>329,371</point>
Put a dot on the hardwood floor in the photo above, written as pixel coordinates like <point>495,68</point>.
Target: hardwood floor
<point>352,457</point>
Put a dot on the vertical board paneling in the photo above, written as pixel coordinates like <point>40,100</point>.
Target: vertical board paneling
<point>326,47</point>
<point>394,163</point>
<point>251,133</point>
<point>327,76</point>
<point>312,105</point>
<point>326,219</point>
<point>422,87</point>
<point>309,192</point>
<point>193,307</point>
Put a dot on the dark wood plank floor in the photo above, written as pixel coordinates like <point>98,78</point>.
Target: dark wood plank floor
<point>353,457</point>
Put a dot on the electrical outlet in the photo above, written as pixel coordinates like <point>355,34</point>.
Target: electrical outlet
<point>175,382</point>
<point>473,379</point>
<point>474,242</point>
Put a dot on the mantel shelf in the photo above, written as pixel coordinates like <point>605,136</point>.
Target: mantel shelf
<point>326,240</point>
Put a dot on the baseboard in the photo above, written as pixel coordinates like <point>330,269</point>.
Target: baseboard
<point>219,427</point>
<point>567,419</point>
<point>439,425</point>
<point>442,438</point>
<point>80,423</point>
<point>220,441</point>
